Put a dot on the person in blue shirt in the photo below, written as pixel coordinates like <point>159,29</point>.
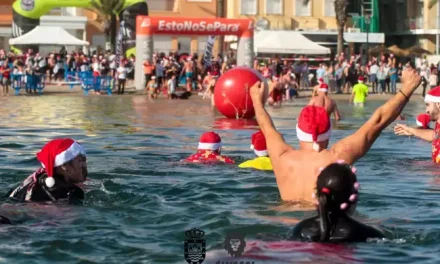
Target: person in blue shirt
<point>393,78</point>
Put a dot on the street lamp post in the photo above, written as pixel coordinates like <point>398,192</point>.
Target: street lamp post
<point>367,21</point>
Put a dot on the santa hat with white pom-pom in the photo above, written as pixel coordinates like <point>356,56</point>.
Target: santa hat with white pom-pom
<point>56,153</point>
<point>313,125</point>
<point>259,144</point>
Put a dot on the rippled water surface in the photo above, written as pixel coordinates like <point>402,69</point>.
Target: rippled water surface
<point>140,199</point>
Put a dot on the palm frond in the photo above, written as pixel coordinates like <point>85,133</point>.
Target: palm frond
<point>432,3</point>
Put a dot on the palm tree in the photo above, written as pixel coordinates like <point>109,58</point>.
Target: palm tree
<point>108,11</point>
<point>341,18</point>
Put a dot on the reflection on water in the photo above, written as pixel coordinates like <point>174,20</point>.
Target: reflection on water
<point>140,199</point>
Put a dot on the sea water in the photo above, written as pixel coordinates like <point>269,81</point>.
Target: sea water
<point>140,200</point>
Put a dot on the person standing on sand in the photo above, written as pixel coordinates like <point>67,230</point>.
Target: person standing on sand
<point>323,100</point>
<point>432,100</point>
<point>296,170</point>
<point>359,93</point>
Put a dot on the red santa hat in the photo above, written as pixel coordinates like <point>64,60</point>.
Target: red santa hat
<point>210,141</point>
<point>259,144</point>
<point>361,79</point>
<point>423,120</point>
<point>321,80</point>
<point>323,88</point>
<point>313,125</point>
<point>56,153</point>
<point>433,96</point>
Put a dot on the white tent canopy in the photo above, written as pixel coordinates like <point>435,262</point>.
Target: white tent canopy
<point>48,35</point>
<point>286,42</point>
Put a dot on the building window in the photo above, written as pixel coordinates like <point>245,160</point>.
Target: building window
<point>274,7</point>
<point>248,7</point>
<point>162,5</point>
<point>303,8</point>
<point>329,8</point>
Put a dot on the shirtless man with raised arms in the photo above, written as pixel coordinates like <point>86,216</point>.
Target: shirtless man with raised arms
<point>296,170</point>
<point>323,100</point>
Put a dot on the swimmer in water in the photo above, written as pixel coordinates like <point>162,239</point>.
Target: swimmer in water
<point>337,196</point>
<point>262,161</point>
<point>432,100</point>
<point>359,93</point>
<point>323,100</point>
<point>296,170</point>
<point>209,150</point>
<point>63,166</point>
<point>316,87</point>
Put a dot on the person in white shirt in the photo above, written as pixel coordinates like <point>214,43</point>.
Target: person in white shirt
<point>373,76</point>
<point>171,84</point>
<point>122,76</point>
<point>433,79</point>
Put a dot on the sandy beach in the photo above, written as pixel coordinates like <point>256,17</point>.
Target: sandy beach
<point>54,89</point>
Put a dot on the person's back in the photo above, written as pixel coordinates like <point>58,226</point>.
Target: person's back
<point>336,196</point>
<point>296,169</point>
<point>359,93</point>
<point>323,100</point>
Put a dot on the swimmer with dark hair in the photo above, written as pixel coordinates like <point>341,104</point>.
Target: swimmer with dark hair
<point>337,196</point>
<point>63,166</point>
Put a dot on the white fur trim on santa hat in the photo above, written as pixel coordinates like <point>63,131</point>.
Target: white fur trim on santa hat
<point>69,154</point>
<point>211,146</point>
<point>306,137</point>
<point>432,99</point>
<point>419,123</point>
<point>323,90</point>
<point>260,153</point>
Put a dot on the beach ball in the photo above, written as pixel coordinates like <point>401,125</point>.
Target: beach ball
<point>231,92</point>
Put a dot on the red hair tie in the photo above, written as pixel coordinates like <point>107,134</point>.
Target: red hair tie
<point>325,190</point>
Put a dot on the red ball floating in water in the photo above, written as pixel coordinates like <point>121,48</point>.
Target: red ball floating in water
<point>231,93</point>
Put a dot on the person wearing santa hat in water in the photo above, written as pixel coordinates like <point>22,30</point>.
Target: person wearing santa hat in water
<point>316,87</point>
<point>63,164</point>
<point>209,150</point>
<point>262,161</point>
<point>323,100</point>
<point>296,170</point>
<point>359,93</point>
<point>432,100</point>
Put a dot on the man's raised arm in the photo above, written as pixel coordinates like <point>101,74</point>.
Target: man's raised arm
<point>276,146</point>
<point>356,146</point>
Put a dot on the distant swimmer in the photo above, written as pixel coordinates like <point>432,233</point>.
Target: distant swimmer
<point>359,93</point>
<point>63,166</point>
<point>209,150</point>
<point>316,87</point>
<point>432,100</point>
<point>262,161</point>
<point>296,170</point>
<point>423,121</point>
<point>275,92</point>
<point>323,100</point>
<point>337,195</point>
